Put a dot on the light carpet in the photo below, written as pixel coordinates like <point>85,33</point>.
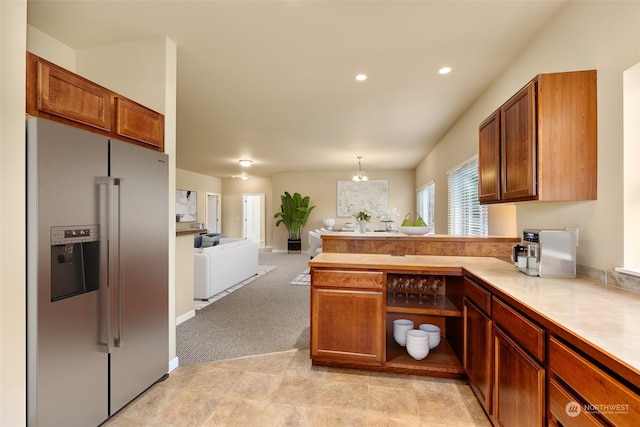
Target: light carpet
<point>262,270</point>
<point>264,316</point>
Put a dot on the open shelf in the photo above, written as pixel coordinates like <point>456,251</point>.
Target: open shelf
<point>441,361</point>
<point>444,307</point>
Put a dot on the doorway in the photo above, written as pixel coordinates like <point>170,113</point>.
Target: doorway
<point>253,213</point>
<point>213,224</point>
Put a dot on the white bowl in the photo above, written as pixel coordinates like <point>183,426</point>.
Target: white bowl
<point>434,334</point>
<point>417,353</point>
<point>416,231</point>
<point>400,328</point>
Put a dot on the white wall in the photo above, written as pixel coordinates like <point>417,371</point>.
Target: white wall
<point>13,383</point>
<point>187,180</point>
<point>584,35</point>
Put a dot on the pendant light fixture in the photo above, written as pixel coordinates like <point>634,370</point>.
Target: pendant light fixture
<point>360,175</point>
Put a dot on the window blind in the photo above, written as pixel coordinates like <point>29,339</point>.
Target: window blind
<point>426,199</point>
<point>466,216</point>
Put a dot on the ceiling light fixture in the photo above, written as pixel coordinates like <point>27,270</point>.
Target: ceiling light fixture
<point>444,70</point>
<point>245,163</point>
<point>360,176</point>
<point>361,77</point>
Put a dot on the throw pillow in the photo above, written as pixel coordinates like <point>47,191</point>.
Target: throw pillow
<point>208,241</point>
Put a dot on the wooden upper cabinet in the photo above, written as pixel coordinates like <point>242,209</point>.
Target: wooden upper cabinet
<point>58,94</point>
<point>518,137</point>
<point>139,123</point>
<point>548,142</point>
<point>489,159</point>
<point>63,94</point>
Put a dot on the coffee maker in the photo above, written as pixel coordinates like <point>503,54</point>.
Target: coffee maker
<point>546,253</point>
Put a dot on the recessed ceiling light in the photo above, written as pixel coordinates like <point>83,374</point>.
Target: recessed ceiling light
<point>444,70</point>
<point>245,163</point>
<point>361,77</point>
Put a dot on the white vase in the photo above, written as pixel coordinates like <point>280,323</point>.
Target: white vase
<point>363,226</point>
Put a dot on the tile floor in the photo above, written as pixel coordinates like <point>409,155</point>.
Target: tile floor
<point>283,389</point>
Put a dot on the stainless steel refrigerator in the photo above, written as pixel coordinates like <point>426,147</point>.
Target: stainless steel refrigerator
<point>97,274</point>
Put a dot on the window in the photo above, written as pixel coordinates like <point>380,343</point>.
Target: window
<point>426,205</point>
<point>466,216</point>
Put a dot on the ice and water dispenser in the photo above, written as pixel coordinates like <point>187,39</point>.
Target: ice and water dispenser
<point>75,260</point>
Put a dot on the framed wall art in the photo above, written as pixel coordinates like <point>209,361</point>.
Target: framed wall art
<point>186,206</point>
<point>372,195</point>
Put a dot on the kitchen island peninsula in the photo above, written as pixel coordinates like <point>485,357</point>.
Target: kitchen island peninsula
<point>431,244</point>
<point>528,346</point>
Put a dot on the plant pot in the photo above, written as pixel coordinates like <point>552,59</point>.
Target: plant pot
<point>294,246</point>
<point>363,226</point>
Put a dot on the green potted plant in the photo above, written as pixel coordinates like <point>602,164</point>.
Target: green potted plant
<point>294,213</point>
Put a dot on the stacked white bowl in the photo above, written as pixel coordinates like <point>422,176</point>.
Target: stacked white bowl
<point>400,328</point>
<point>418,343</point>
<point>434,334</point>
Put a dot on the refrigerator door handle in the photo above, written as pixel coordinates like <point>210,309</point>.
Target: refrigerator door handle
<point>104,300</point>
<point>118,340</point>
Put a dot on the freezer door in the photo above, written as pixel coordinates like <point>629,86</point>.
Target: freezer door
<point>66,366</point>
<point>140,303</point>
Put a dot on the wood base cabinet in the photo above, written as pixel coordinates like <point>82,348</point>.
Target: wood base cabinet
<point>352,315</point>
<point>504,355</point>
<point>519,391</point>
<point>593,396</point>
<point>347,325</point>
<point>478,353</point>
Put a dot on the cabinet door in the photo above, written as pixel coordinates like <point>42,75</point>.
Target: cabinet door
<point>518,136</point>
<point>140,123</point>
<point>489,159</point>
<point>347,326</point>
<point>477,352</point>
<point>519,390</point>
<point>63,94</point>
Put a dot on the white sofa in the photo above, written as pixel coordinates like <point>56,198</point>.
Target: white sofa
<point>219,267</point>
<point>315,243</point>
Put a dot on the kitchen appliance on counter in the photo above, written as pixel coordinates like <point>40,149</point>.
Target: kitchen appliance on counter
<point>97,274</point>
<point>546,253</point>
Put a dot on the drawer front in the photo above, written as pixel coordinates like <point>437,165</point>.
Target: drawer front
<point>529,335</point>
<point>564,408</point>
<point>613,400</point>
<point>480,297</point>
<point>348,279</point>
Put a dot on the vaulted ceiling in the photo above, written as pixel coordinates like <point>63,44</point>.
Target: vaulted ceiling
<point>274,81</point>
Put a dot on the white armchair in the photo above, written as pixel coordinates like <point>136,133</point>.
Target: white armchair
<point>315,243</point>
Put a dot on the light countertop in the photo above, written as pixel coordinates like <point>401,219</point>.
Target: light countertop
<point>605,316</point>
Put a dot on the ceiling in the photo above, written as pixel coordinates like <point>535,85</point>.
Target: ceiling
<point>274,81</point>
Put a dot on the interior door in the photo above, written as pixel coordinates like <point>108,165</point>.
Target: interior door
<point>253,218</point>
<point>213,213</point>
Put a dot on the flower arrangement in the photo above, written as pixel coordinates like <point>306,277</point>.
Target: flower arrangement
<point>389,215</point>
<point>362,215</point>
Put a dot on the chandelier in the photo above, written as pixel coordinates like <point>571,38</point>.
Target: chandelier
<point>360,175</point>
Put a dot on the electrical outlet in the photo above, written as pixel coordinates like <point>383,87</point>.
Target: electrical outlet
<point>576,231</point>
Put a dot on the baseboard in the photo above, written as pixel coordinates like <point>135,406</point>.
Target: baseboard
<point>188,315</point>
<point>173,364</point>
